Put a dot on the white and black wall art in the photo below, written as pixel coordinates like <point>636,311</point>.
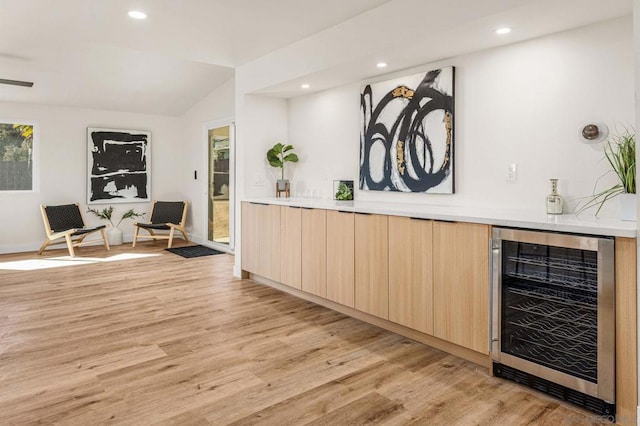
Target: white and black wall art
<point>118,166</point>
<point>406,141</point>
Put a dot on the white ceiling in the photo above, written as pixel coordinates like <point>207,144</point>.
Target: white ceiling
<point>88,53</point>
<point>434,31</point>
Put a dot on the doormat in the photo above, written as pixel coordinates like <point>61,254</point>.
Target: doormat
<point>194,251</point>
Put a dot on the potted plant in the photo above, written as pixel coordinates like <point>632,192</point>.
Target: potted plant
<point>344,190</point>
<point>620,152</point>
<point>114,234</point>
<point>277,156</point>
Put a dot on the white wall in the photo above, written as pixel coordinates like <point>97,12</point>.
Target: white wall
<point>62,151</point>
<point>217,107</point>
<point>266,124</point>
<point>261,122</point>
<point>522,103</point>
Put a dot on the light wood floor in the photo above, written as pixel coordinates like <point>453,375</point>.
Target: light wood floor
<point>174,341</point>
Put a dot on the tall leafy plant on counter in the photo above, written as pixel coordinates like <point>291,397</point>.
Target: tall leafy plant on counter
<point>277,156</point>
<point>620,153</point>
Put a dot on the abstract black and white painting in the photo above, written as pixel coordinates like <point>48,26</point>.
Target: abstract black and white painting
<point>406,141</point>
<point>118,166</point>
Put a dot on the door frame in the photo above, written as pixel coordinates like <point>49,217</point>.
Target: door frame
<point>227,248</point>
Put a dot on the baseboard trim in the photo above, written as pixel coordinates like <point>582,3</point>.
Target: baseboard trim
<point>237,271</point>
<point>34,247</point>
<point>483,360</point>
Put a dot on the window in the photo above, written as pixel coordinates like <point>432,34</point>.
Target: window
<point>16,157</point>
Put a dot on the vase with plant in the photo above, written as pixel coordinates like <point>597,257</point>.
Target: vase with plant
<point>277,156</point>
<point>620,152</point>
<point>114,234</point>
<point>344,190</point>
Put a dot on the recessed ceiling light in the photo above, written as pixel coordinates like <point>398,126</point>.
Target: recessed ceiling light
<point>305,86</point>
<point>136,14</point>
<point>503,30</point>
<point>381,65</point>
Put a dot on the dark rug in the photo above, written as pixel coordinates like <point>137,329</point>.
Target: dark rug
<point>194,251</point>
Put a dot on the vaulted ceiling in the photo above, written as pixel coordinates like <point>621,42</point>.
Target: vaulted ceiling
<point>89,53</point>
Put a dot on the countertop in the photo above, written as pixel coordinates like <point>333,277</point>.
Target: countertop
<point>585,223</point>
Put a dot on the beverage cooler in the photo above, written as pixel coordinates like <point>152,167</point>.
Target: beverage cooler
<point>553,315</point>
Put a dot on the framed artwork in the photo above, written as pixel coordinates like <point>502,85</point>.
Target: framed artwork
<point>406,140</point>
<point>119,168</point>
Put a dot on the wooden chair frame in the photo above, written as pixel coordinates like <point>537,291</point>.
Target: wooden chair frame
<point>70,240</point>
<point>172,227</point>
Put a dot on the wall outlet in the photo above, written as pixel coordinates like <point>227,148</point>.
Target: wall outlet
<point>259,181</point>
<point>512,172</point>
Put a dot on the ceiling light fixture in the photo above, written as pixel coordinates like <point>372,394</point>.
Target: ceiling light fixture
<point>305,86</point>
<point>503,30</point>
<point>136,14</point>
<point>381,65</point>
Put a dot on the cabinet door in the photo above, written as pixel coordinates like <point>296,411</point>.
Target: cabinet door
<point>314,251</point>
<point>411,273</point>
<point>340,257</point>
<point>291,246</point>
<point>250,237</point>
<point>261,240</point>
<point>372,264</point>
<point>461,284</point>
<point>269,256</point>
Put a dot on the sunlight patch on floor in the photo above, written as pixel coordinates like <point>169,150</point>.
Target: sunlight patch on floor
<point>58,262</point>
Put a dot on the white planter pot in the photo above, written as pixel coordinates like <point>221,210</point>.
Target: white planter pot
<point>628,206</point>
<point>114,236</point>
<point>282,184</point>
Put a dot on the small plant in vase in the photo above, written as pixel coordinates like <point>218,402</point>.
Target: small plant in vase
<point>114,235</point>
<point>620,153</point>
<point>277,156</point>
<point>344,192</point>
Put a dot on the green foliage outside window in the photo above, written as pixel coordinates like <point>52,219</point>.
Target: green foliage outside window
<point>16,157</point>
<point>16,142</point>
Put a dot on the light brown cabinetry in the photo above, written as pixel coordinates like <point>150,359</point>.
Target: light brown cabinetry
<point>461,284</point>
<point>372,264</point>
<point>291,246</point>
<point>261,240</point>
<point>314,251</point>
<point>427,280</point>
<point>411,273</point>
<point>341,257</point>
<point>626,331</point>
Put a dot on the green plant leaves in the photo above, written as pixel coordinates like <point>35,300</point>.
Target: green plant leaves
<point>291,157</point>
<point>620,152</point>
<point>276,156</point>
<point>104,213</point>
<point>128,215</point>
<point>107,214</point>
<point>343,192</point>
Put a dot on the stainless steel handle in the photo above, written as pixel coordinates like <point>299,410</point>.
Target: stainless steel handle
<point>495,297</point>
